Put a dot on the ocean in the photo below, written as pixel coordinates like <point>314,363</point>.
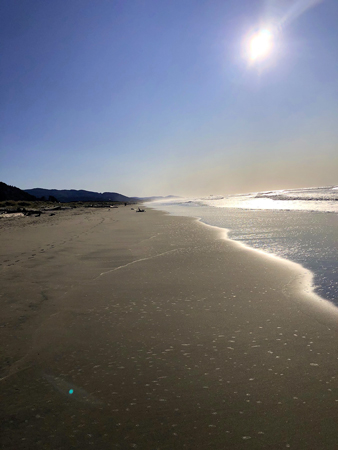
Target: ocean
<point>300,225</point>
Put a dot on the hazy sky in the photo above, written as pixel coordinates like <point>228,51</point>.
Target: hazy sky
<point>157,97</point>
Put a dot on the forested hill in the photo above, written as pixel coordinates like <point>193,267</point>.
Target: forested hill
<point>8,192</point>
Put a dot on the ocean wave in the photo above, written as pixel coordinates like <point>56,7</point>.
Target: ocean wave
<point>318,199</point>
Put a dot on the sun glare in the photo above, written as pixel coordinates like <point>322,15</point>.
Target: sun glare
<point>260,44</point>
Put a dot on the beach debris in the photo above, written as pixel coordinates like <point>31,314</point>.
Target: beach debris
<point>6,215</point>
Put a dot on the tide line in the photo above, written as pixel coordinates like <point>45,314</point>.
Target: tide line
<point>137,261</point>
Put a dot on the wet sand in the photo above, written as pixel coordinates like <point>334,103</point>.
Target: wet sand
<point>143,330</point>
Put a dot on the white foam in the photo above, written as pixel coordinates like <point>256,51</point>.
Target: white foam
<point>320,199</point>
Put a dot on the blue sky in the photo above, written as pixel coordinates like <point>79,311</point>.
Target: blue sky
<point>158,97</point>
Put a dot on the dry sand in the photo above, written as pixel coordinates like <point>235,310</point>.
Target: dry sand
<point>147,331</point>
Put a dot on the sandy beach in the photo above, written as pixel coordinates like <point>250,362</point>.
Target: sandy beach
<point>144,330</point>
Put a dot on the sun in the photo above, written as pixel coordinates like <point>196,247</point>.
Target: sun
<point>260,44</point>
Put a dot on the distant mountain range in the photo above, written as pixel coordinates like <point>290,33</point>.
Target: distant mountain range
<point>8,192</point>
<point>71,195</point>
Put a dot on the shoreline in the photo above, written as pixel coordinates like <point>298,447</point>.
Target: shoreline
<point>167,335</point>
<point>302,284</point>
<point>306,275</point>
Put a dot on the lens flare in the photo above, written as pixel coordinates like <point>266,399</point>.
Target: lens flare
<point>260,44</point>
